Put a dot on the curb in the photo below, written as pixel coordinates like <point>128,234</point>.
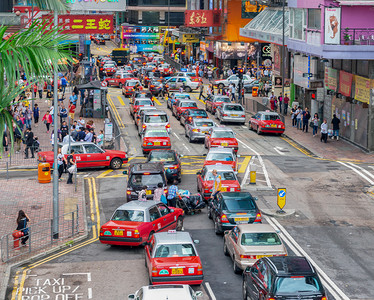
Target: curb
<point>274,213</point>
<point>7,272</point>
<point>20,167</point>
<point>301,146</point>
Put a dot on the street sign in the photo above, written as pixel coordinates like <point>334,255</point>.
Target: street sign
<point>104,83</point>
<point>281,198</point>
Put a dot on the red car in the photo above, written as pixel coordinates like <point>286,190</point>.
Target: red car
<point>134,223</point>
<point>155,138</point>
<point>183,105</point>
<point>205,180</point>
<point>221,137</point>
<point>88,155</point>
<point>134,107</point>
<point>119,79</point>
<point>109,69</point>
<point>222,156</point>
<point>213,102</point>
<point>128,87</point>
<point>266,121</point>
<point>171,257</point>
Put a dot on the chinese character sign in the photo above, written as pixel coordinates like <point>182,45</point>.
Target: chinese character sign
<point>83,24</point>
<point>199,18</point>
<point>249,11</point>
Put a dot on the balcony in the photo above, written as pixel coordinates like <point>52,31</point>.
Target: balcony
<point>357,36</point>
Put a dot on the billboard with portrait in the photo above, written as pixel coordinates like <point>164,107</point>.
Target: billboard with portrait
<point>226,50</point>
<point>332,25</point>
<point>102,5</point>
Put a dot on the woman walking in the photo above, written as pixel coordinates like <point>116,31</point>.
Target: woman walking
<point>60,164</point>
<point>22,220</point>
<point>47,118</point>
<point>315,121</point>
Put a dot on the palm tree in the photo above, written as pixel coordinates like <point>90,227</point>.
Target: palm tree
<point>34,52</point>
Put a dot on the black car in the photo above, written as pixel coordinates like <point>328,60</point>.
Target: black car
<point>282,278</point>
<point>170,160</point>
<point>229,209</point>
<point>144,174</point>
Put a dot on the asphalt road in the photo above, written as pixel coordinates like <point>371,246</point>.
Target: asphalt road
<point>332,226</point>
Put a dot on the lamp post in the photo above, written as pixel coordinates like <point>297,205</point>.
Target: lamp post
<point>283,49</point>
<point>168,26</point>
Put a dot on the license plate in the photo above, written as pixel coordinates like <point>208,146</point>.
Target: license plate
<point>178,271</point>
<point>273,125</point>
<point>241,219</point>
<point>118,232</point>
<point>148,192</point>
<point>224,144</point>
<point>234,115</point>
<point>261,256</point>
<point>156,143</point>
<point>224,189</point>
<point>206,132</point>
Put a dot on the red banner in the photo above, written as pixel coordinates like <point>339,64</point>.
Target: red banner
<point>345,83</point>
<point>83,24</point>
<point>201,18</point>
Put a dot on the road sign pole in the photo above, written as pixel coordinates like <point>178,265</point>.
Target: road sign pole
<point>281,200</point>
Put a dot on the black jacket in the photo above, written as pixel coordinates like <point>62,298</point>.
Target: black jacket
<point>29,138</point>
<point>335,123</point>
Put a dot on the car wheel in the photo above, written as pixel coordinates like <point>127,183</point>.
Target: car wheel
<point>258,130</point>
<point>225,251</point>
<point>188,89</point>
<point>120,85</point>
<point>237,270</point>
<point>116,163</point>
<point>216,228</point>
<point>244,288</point>
<point>179,224</point>
<point>221,85</point>
<point>210,214</point>
<point>190,140</point>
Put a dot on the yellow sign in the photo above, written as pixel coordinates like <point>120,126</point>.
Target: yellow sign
<point>281,197</point>
<point>362,89</point>
<point>190,38</point>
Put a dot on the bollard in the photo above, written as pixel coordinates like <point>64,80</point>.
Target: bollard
<point>17,234</point>
<point>252,174</point>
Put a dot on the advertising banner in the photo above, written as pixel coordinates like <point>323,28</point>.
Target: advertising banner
<point>331,79</point>
<point>233,51</point>
<point>82,24</point>
<point>146,48</point>
<point>141,32</point>
<point>332,25</point>
<point>362,89</point>
<point>96,5</point>
<point>249,11</point>
<point>190,38</point>
<point>201,18</point>
<point>345,83</point>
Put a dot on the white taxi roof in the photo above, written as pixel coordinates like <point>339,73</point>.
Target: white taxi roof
<point>223,168</point>
<point>177,237</point>
<point>166,291</point>
<point>220,150</point>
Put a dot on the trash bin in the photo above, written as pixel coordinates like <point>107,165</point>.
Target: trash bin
<point>255,91</point>
<point>44,173</point>
<point>17,234</point>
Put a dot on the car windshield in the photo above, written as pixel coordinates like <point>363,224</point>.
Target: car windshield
<point>188,104</point>
<point>162,156</point>
<point>204,123</point>
<point>223,134</point>
<point>109,65</point>
<point>164,66</point>
<point>270,118</point>
<point>297,284</point>
<point>143,102</point>
<point>140,180</point>
<point>233,108</point>
<point>260,239</point>
<point>222,99</point>
<point>175,250</point>
<point>219,157</point>
<point>198,112</point>
<point>238,205</point>
<point>128,215</point>
<point>225,175</point>
<point>156,133</point>
<point>182,97</point>
<point>156,119</point>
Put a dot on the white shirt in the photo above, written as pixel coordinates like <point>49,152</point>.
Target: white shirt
<point>324,127</point>
<point>81,123</point>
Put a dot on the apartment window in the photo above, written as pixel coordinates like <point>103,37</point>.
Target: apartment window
<point>176,18</point>
<point>314,18</point>
<point>297,23</point>
<point>151,18</point>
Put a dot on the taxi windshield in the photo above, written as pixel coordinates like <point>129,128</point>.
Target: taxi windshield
<point>140,180</point>
<point>182,97</point>
<point>219,157</point>
<point>222,99</point>
<point>175,250</point>
<point>260,239</point>
<point>223,134</point>
<point>156,119</point>
<point>156,133</point>
<point>132,83</point>
<point>162,156</point>
<point>225,175</point>
<point>143,102</point>
<point>188,104</point>
<point>233,108</point>
<point>109,66</point>
<point>270,118</point>
<point>128,215</point>
<point>198,112</point>
<point>204,123</point>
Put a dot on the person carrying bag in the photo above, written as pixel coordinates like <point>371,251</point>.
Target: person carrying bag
<point>72,167</point>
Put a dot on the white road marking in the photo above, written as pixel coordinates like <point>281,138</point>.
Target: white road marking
<point>176,136</point>
<point>89,293</point>
<point>246,172</point>
<point>277,150</point>
<point>358,172</point>
<point>244,127</point>
<point>186,147</point>
<point>210,291</point>
<point>298,250</point>
<point>362,169</point>
<point>72,274</point>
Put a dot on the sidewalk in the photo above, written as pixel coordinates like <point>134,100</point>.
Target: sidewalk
<point>333,150</point>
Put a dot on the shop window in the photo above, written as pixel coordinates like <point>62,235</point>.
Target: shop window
<point>314,18</point>
<point>176,18</point>
<point>151,18</point>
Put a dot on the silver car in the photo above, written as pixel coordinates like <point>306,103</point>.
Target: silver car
<point>188,85</point>
<point>154,118</point>
<point>198,129</point>
<point>166,291</point>
<point>231,112</point>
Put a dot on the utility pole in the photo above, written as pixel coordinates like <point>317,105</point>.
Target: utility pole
<point>168,27</point>
<point>283,54</point>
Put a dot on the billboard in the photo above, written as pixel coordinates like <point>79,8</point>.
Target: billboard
<point>249,11</point>
<point>201,18</point>
<point>96,5</point>
<point>332,25</point>
<point>141,32</point>
<point>231,51</point>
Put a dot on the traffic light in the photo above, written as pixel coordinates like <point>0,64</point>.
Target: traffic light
<point>80,56</point>
<point>241,71</point>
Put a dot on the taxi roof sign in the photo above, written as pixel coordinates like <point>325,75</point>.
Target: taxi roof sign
<point>172,231</point>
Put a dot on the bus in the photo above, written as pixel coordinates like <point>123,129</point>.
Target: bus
<point>120,55</point>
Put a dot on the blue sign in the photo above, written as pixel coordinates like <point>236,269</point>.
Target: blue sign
<point>282,193</point>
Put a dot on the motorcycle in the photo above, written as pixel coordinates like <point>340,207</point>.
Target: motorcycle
<point>191,204</point>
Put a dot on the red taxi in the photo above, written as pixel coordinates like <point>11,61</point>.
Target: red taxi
<point>266,121</point>
<point>119,79</point>
<point>222,156</point>
<point>205,180</point>
<point>171,257</point>
<point>155,138</point>
<point>213,102</point>
<point>129,86</point>
<point>183,105</point>
<point>134,106</point>
<point>221,137</point>
<point>133,223</point>
<point>110,68</point>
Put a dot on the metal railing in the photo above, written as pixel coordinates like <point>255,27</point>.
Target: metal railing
<point>173,63</point>
<point>357,36</point>
<point>40,236</point>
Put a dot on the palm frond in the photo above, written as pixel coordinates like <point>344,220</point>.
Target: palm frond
<point>54,5</point>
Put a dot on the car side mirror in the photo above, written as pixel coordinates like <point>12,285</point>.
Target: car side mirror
<point>171,210</point>
<point>124,172</point>
<point>131,296</point>
<point>198,173</point>
<point>196,241</point>
<point>248,269</point>
<point>255,198</point>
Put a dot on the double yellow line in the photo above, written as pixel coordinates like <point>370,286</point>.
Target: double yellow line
<point>116,114</point>
<point>19,279</point>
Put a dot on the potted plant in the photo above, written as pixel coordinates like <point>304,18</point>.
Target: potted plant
<point>347,37</point>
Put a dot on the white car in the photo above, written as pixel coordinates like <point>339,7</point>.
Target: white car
<point>175,83</point>
<point>233,79</point>
<point>166,291</point>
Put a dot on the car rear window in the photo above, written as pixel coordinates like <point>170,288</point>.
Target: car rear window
<point>143,102</point>
<point>182,97</point>
<point>260,239</point>
<point>109,66</point>
<point>270,118</point>
<point>238,205</point>
<point>204,123</point>
<point>156,133</point>
<point>140,180</point>
<point>188,104</point>
<point>233,108</point>
<point>156,119</point>
<point>161,156</point>
<point>223,99</point>
<point>297,284</point>
<point>132,83</point>
<point>223,134</point>
<point>220,157</point>
<point>225,175</point>
<point>175,250</point>
<point>198,112</point>
<point>128,215</point>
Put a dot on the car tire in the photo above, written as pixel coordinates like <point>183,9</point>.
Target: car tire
<point>221,85</point>
<point>187,89</point>
<point>210,214</point>
<point>190,140</point>
<point>258,130</point>
<point>237,270</point>
<point>225,251</point>
<point>244,289</point>
<point>116,163</point>
<point>179,226</point>
<point>216,229</point>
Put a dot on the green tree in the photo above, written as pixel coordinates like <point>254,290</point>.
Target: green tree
<point>33,51</point>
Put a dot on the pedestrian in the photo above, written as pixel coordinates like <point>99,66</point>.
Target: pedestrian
<point>49,97</point>
<point>52,114</point>
<point>47,118</point>
<point>81,123</point>
<point>217,185</point>
<point>60,96</point>
<point>324,131</point>
<point>28,117</point>
<point>40,89</point>
<point>232,91</point>
<point>267,88</point>
<point>22,220</point>
<point>299,115</point>
<point>82,93</point>
<point>73,98</point>
<point>293,115</point>
<point>29,141</point>
<point>63,84</point>
<point>63,113</point>
<point>100,139</point>
<point>201,88</point>
<point>81,135</point>
<point>71,166</point>
<point>18,135</point>
<point>210,75</point>
<point>173,193</point>
<point>71,109</point>
<point>335,127</point>
<point>142,194</point>
<point>60,163</point>
<point>315,121</point>
<point>306,117</point>
<point>159,191</point>
<point>5,143</point>
<point>64,129</point>
<point>36,114</point>
<point>286,101</point>
<point>280,101</point>
<point>74,132</point>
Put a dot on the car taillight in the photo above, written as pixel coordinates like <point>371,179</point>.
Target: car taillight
<point>101,231</point>
<point>248,256</point>
<point>324,298</point>
<point>258,218</point>
<point>144,143</point>
<point>199,270</point>
<point>196,130</point>
<point>206,190</point>
<point>243,116</point>
<point>224,219</point>
<point>152,86</point>
<point>174,167</point>
<point>165,191</point>
<point>101,69</point>
<point>144,126</point>
<point>167,126</point>
<point>154,272</point>
<point>190,119</point>
<point>128,192</point>
<point>136,233</point>
<point>225,115</point>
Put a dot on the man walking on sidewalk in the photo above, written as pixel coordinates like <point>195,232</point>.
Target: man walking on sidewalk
<point>286,100</point>
<point>29,140</point>
<point>306,117</point>
<point>335,127</point>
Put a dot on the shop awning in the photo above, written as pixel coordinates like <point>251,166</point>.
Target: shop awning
<point>355,3</point>
<point>92,85</point>
<point>267,26</point>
